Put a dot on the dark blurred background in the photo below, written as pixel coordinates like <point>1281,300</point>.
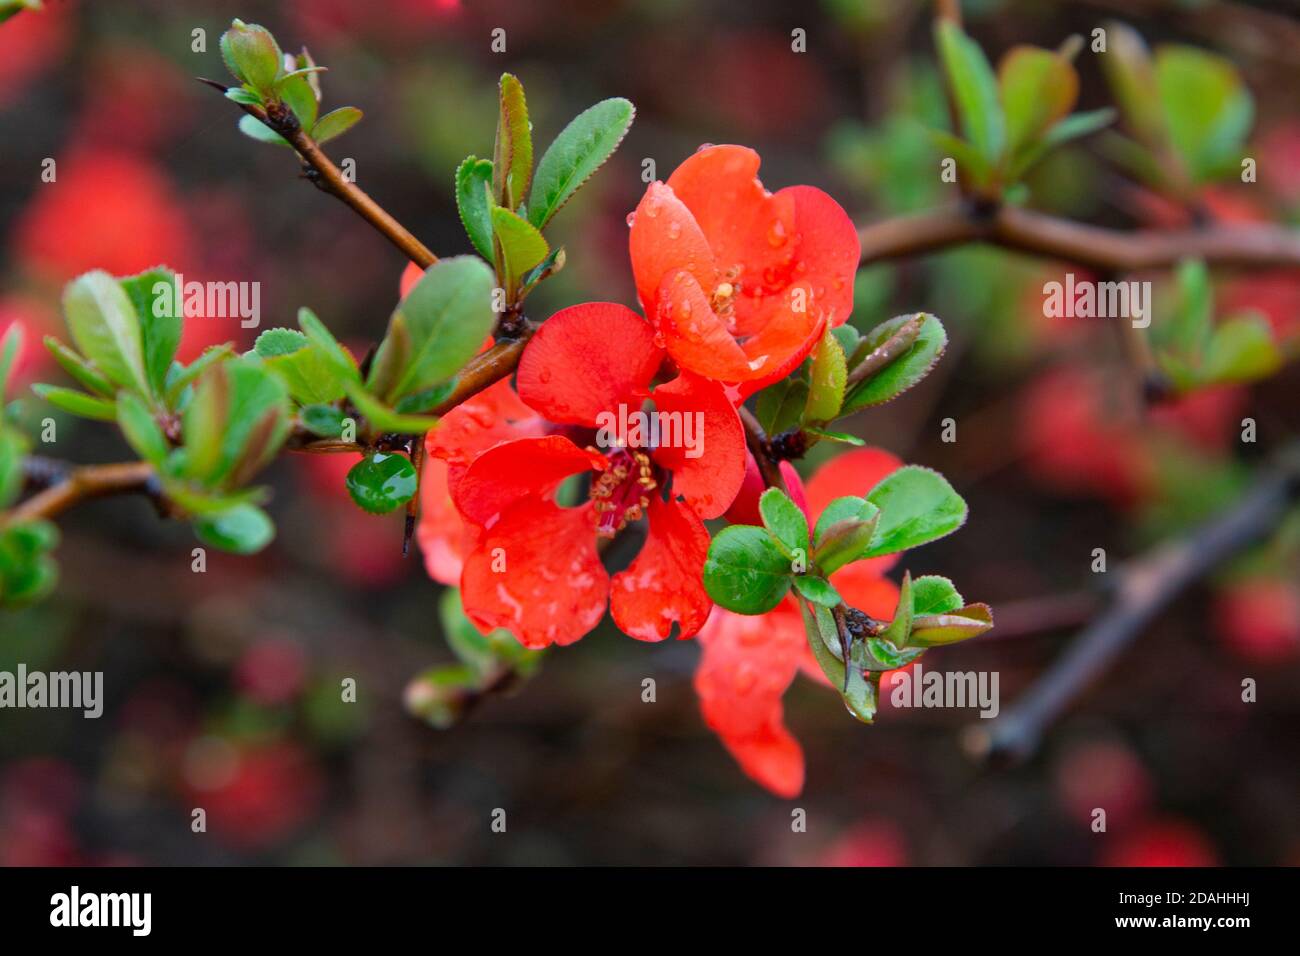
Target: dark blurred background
<point>222,689</point>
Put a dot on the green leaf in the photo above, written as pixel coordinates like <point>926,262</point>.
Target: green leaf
<point>77,403</point>
<point>77,367</point>
<point>975,168</point>
<point>323,420</point>
<point>381,483</point>
<point>136,420</point>
<point>426,400</point>
<point>244,529</point>
<point>785,521</point>
<point>906,370</point>
<point>826,380</point>
<point>745,571</point>
<point>917,506</point>
<point>335,123</point>
<point>158,307</point>
<point>780,406</point>
<point>13,446</point>
<point>179,380</point>
<point>512,160</point>
<point>1207,108</point>
<point>581,148</point>
<point>243,96</point>
<point>296,90</point>
<point>522,246</point>
<point>252,55</point>
<point>934,630</point>
<point>844,532</point>
<point>448,315</point>
<point>310,376</point>
<point>10,346</point>
<point>254,128</point>
<point>104,325</point>
<point>236,422</point>
<point>1132,79</point>
<point>381,418</point>
<point>974,89</point>
<point>334,355</point>
<point>823,634</point>
<point>1037,88</point>
<point>932,594</point>
<point>818,590</point>
<point>1241,350</point>
<point>843,438</point>
<point>474,203</point>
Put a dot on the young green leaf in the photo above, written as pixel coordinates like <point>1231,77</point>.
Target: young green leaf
<point>10,346</point>
<point>745,571</point>
<point>1207,108</point>
<point>826,380</point>
<point>522,246</point>
<point>823,634</point>
<point>474,203</point>
<point>334,355</point>
<point>335,123</point>
<point>310,376</point>
<point>381,483</point>
<point>254,128</point>
<point>381,418</point>
<point>898,629</point>
<point>295,89</point>
<point>77,403</point>
<point>844,532</point>
<point>581,148</point>
<point>448,315</point>
<point>785,521</point>
<point>142,433</point>
<point>1037,88</point>
<point>77,367</point>
<point>512,160</point>
<point>903,372</point>
<point>105,327</point>
<point>934,630</point>
<point>1241,350</point>
<point>932,594</point>
<point>323,420</point>
<point>974,90</point>
<point>243,529</point>
<point>252,55</point>
<point>158,307</point>
<point>817,590</point>
<point>236,422</point>
<point>917,506</point>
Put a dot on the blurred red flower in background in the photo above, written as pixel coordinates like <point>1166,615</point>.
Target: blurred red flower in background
<point>31,43</point>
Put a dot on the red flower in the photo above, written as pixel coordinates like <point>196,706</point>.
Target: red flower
<point>532,566</point>
<point>740,282</point>
<point>749,661</point>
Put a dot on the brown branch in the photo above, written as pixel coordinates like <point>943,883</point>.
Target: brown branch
<point>1105,250</point>
<point>329,178</point>
<point>1144,589</point>
<point>79,484</point>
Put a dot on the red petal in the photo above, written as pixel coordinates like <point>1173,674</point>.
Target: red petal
<point>797,233</point>
<point>537,574</point>
<point>663,584</point>
<point>772,757</point>
<point>789,331</point>
<point>585,360</point>
<point>853,473</point>
<point>694,335</point>
<point>443,535</point>
<point>710,481</point>
<point>746,666</point>
<point>664,239</point>
<point>492,416</point>
<point>526,468</point>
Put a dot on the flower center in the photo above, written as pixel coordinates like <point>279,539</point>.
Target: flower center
<point>723,298</point>
<point>621,493</point>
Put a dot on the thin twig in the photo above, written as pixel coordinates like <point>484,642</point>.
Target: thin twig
<point>79,484</point>
<point>1257,246</point>
<point>1145,587</point>
<point>761,449</point>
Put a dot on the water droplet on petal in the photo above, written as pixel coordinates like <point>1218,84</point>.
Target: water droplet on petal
<point>631,219</point>
<point>674,230</point>
<point>776,236</point>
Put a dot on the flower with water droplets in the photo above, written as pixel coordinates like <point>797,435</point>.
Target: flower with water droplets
<point>531,565</point>
<point>740,282</point>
